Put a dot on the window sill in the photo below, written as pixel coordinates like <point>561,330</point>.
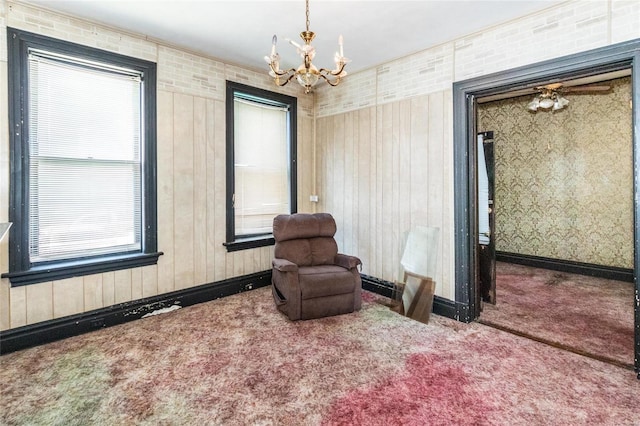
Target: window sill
<point>249,243</point>
<point>75,268</point>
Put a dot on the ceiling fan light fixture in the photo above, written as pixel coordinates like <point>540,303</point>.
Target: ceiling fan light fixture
<point>307,74</point>
<point>534,104</point>
<point>546,103</point>
<point>563,101</point>
<point>548,97</point>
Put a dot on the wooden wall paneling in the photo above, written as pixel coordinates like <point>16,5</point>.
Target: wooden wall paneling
<point>255,261</point>
<point>361,208</point>
<point>339,175</point>
<point>210,154</point>
<point>420,184</point>
<point>321,164</point>
<point>447,231</point>
<point>372,143</point>
<point>108,289</point>
<point>354,224</point>
<point>136,283</point>
<point>377,230</point>
<point>386,195</point>
<point>310,167</point>
<point>122,285</point>
<point>68,297</point>
<point>248,257</point>
<point>199,191</point>
<point>39,302</point>
<point>149,280</point>
<point>304,171</point>
<point>300,167</point>
<point>393,248</point>
<point>165,193</point>
<point>92,292</point>
<point>404,178</point>
<point>436,172</point>
<point>261,259</point>
<point>257,258</point>
<point>183,183</point>
<point>5,305</point>
<point>350,176</point>
<point>219,177</point>
<point>238,263</point>
<point>18,308</point>
<point>328,165</point>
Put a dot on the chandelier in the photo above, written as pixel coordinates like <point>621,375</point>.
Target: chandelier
<point>307,74</point>
<point>548,98</point>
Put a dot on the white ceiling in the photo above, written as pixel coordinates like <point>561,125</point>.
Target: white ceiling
<point>239,32</point>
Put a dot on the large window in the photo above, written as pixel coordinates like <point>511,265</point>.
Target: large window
<point>82,160</point>
<point>261,159</point>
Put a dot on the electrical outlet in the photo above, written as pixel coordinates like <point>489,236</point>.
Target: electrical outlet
<point>313,198</point>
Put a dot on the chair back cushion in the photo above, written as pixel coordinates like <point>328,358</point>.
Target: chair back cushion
<point>305,239</point>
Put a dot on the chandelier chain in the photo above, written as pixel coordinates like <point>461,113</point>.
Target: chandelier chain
<point>307,15</point>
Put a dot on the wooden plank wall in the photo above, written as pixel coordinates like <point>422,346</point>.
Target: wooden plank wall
<point>384,169</point>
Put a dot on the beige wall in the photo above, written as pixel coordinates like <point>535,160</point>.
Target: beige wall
<point>191,175</point>
<point>564,181</point>
<point>406,187</point>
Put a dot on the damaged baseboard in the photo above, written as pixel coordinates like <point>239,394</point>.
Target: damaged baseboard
<point>61,328</point>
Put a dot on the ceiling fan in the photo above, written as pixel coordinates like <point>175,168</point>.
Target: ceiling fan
<point>550,95</point>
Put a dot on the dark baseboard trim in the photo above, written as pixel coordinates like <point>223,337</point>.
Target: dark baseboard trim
<point>441,306</point>
<point>378,286</point>
<point>568,266</point>
<point>61,328</point>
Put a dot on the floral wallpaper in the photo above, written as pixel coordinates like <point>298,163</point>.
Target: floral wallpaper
<point>564,185</point>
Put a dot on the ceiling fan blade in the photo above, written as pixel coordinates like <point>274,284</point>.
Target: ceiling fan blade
<point>552,86</point>
<point>588,88</point>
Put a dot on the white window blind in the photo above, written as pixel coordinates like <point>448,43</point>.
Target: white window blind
<point>85,160</point>
<point>261,166</point>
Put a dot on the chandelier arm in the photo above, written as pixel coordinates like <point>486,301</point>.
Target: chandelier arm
<point>333,83</point>
<point>287,80</point>
<point>335,73</point>
<point>281,72</point>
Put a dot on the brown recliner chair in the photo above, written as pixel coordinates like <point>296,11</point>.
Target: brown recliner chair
<point>310,278</point>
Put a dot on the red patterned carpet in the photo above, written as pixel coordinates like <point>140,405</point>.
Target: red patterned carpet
<point>237,361</point>
<point>588,315</point>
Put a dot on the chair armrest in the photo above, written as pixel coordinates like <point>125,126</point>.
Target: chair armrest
<point>346,261</point>
<point>283,265</point>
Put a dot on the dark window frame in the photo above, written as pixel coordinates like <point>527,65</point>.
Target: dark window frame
<point>233,242</point>
<point>21,270</point>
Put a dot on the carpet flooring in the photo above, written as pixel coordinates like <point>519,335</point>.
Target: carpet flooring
<point>588,315</point>
<point>238,361</point>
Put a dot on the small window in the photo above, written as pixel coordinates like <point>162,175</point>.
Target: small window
<point>82,160</point>
<point>261,163</point>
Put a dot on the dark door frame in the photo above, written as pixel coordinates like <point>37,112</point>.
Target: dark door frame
<point>615,57</point>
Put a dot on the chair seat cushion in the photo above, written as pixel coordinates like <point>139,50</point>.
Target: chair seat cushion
<point>325,280</point>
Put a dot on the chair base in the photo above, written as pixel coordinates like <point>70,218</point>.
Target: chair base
<point>319,307</point>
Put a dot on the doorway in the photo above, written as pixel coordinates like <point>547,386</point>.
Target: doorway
<point>559,206</point>
<point>623,56</point>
